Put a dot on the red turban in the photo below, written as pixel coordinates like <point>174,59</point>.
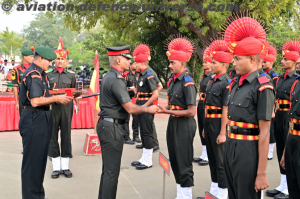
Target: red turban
<point>291,50</point>
<point>220,52</point>
<point>141,53</point>
<point>272,52</point>
<point>206,55</point>
<point>245,37</point>
<point>60,51</point>
<point>180,49</point>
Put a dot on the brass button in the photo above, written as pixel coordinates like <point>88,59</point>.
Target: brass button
<point>239,104</point>
<point>291,113</point>
<point>231,102</point>
<point>214,93</point>
<point>176,95</point>
<point>229,116</point>
<point>296,100</point>
<point>238,88</point>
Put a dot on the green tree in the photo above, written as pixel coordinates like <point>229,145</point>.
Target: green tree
<point>81,56</point>
<point>11,42</point>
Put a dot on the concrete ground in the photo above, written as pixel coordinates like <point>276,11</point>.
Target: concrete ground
<point>133,184</point>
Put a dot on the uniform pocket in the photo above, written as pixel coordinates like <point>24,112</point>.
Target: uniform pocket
<point>67,83</point>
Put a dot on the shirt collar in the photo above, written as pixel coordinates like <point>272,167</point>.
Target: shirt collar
<point>219,76</point>
<point>250,77</point>
<point>143,72</point>
<point>116,69</point>
<point>268,70</point>
<point>209,73</point>
<point>290,74</point>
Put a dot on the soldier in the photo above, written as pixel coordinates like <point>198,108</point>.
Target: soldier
<point>60,77</point>
<point>216,109</point>
<point>207,62</point>
<point>290,52</point>
<point>36,122</point>
<point>290,158</point>
<point>115,104</point>
<point>267,66</point>
<point>155,140</point>
<point>17,75</point>
<point>131,78</point>
<point>182,109</point>
<point>147,92</point>
<point>250,106</point>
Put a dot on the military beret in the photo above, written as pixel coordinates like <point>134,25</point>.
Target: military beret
<point>132,60</point>
<point>45,52</point>
<point>120,50</point>
<point>27,52</point>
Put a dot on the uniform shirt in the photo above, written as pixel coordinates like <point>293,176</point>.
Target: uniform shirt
<point>113,93</point>
<point>182,92</point>
<point>146,82</point>
<point>67,79</point>
<point>253,100</point>
<point>272,73</point>
<point>283,86</point>
<point>131,81</point>
<point>17,74</point>
<point>204,80</point>
<point>217,91</point>
<point>155,75</point>
<point>34,84</point>
<point>232,74</point>
<point>295,108</point>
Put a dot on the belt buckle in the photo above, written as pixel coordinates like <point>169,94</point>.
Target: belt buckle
<point>292,125</point>
<point>205,111</point>
<point>228,128</point>
<point>277,105</point>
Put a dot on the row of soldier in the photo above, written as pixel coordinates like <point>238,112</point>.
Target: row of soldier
<point>234,115</point>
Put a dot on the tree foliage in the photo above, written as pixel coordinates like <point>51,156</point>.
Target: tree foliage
<point>11,42</point>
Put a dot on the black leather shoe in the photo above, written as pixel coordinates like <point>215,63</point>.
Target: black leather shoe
<point>203,162</point>
<point>137,139</point>
<point>197,159</point>
<point>135,163</point>
<point>71,156</point>
<point>156,148</point>
<point>50,158</point>
<point>200,198</point>
<point>281,196</point>
<point>272,193</point>
<point>67,173</point>
<point>142,167</point>
<point>129,141</point>
<point>139,146</point>
<point>22,152</point>
<point>55,174</point>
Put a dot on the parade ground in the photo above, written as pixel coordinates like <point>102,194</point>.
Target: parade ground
<point>133,184</point>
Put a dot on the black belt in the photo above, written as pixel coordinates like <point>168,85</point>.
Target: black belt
<point>112,120</point>
<point>284,106</point>
<point>213,111</point>
<point>244,131</point>
<point>39,108</point>
<point>296,126</point>
<point>141,96</point>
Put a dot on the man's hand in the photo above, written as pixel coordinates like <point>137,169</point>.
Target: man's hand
<point>261,183</point>
<point>77,94</point>
<point>17,106</point>
<point>63,99</point>
<point>203,134</point>
<point>282,163</point>
<point>152,109</point>
<point>162,109</point>
<point>221,139</point>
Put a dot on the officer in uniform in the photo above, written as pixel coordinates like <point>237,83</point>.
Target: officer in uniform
<point>17,75</point>
<point>60,77</point>
<point>216,113</point>
<point>291,157</point>
<point>267,66</point>
<point>181,106</point>
<point>147,92</point>
<point>281,121</point>
<point>36,122</point>
<point>207,62</point>
<point>131,78</point>
<point>250,105</point>
<point>115,104</point>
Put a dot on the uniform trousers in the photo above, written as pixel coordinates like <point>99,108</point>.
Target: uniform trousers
<point>135,127</point>
<point>180,137</point>
<point>215,152</point>
<point>62,118</point>
<point>240,165</point>
<point>281,129</point>
<point>35,128</point>
<point>292,165</point>
<point>200,117</point>
<point>111,136</point>
<point>272,136</point>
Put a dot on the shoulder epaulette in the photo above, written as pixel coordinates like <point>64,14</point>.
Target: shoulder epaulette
<point>229,80</point>
<point>170,79</point>
<point>189,83</point>
<point>265,87</point>
<point>274,74</point>
<point>18,67</point>
<point>263,80</point>
<point>231,83</point>
<point>149,73</point>
<point>263,74</point>
<point>69,71</point>
<point>31,73</point>
<point>50,70</point>
<point>297,77</point>
<point>187,79</point>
